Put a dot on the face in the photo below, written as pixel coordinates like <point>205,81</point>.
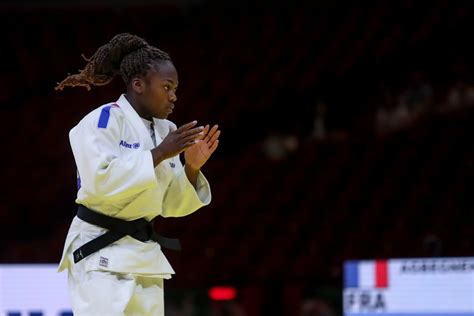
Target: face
<point>158,91</point>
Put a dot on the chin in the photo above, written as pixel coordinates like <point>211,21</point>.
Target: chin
<point>162,116</point>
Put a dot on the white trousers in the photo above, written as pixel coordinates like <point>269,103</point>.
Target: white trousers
<point>98,293</point>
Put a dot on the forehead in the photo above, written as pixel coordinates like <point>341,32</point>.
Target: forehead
<point>163,71</point>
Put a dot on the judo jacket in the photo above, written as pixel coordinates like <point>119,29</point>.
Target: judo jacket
<point>116,177</point>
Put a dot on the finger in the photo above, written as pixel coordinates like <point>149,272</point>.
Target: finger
<point>211,143</point>
<point>186,126</point>
<point>205,131</point>
<point>214,146</point>
<point>189,143</point>
<point>194,138</point>
<point>211,132</point>
<point>214,137</point>
<point>193,131</point>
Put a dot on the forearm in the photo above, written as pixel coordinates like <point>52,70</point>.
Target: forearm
<point>191,173</point>
<point>182,198</point>
<point>157,155</point>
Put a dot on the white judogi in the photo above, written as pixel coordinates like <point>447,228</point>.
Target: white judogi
<point>111,147</point>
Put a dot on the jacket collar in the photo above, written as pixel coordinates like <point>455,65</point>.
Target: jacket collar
<point>136,121</point>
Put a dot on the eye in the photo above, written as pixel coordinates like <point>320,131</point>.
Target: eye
<point>167,88</point>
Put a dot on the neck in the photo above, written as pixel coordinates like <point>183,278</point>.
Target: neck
<point>138,106</point>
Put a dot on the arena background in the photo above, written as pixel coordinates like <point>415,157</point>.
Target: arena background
<point>347,134</point>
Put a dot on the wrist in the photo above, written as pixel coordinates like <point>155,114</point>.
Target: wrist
<point>192,174</point>
<point>191,168</point>
<point>157,155</point>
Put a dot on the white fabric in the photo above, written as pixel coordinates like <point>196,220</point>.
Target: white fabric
<point>100,293</point>
<point>151,129</point>
<point>118,179</point>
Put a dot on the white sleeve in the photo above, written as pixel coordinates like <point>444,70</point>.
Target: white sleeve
<point>182,198</point>
<point>105,172</point>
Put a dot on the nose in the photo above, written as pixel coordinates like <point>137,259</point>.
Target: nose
<point>173,98</point>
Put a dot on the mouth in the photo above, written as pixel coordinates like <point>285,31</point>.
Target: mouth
<point>170,109</point>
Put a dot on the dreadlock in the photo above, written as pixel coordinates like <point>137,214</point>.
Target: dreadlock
<point>125,54</point>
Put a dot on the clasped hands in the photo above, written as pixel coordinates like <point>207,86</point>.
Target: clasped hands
<point>198,144</point>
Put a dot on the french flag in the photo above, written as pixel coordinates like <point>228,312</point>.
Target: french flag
<point>366,274</point>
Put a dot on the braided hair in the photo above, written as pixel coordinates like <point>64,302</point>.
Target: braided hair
<point>125,54</point>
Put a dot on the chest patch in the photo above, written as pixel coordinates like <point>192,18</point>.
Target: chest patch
<point>104,262</point>
<point>128,145</point>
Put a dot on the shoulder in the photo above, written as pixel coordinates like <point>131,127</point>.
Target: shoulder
<point>103,117</point>
<point>107,118</point>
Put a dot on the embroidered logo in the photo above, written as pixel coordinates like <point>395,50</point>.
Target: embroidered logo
<point>172,164</point>
<point>78,256</point>
<point>104,262</point>
<point>127,145</point>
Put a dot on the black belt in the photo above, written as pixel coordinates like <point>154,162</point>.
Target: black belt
<point>140,229</point>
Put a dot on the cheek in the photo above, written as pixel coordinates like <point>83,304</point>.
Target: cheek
<point>158,95</point>
<point>162,96</point>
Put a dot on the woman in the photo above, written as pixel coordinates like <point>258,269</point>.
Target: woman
<point>129,172</point>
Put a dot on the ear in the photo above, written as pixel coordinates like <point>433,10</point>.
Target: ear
<point>138,85</point>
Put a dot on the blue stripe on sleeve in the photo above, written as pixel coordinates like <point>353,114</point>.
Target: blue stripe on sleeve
<point>351,274</point>
<point>104,117</point>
